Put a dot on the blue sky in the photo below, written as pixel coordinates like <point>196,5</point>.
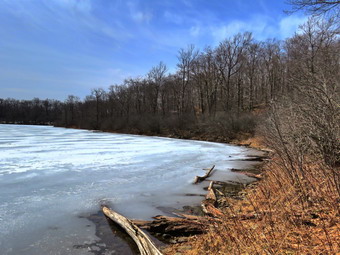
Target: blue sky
<point>54,48</point>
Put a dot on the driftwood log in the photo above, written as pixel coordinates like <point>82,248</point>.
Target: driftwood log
<point>199,179</point>
<point>188,225</point>
<point>144,243</point>
<point>178,228</point>
<point>209,204</point>
<point>211,192</point>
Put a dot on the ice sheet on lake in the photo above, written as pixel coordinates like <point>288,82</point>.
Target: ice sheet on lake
<point>49,176</point>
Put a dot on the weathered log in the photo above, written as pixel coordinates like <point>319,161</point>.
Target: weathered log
<point>209,208</point>
<point>211,185</point>
<point>144,243</point>
<point>256,158</point>
<point>211,195</point>
<point>211,192</point>
<point>252,175</point>
<point>141,223</point>
<point>174,226</point>
<point>199,179</point>
<point>189,216</point>
<point>209,204</point>
<point>220,193</point>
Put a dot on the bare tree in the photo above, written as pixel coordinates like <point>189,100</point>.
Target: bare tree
<point>156,79</point>
<point>305,125</point>
<point>206,81</point>
<point>252,64</point>
<point>229,56</point>
<point>69,109</point>
<point>98,95</point>
<point>186,59</point>
<point>316,7</point>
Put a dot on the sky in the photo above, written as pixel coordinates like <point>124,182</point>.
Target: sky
<point>55,48</point>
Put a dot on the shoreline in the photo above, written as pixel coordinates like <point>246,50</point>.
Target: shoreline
<point>229,189</point>
<point>236,191</point>
<point>185,135</point>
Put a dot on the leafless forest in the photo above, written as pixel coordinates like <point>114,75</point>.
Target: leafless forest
<point>215,90</point>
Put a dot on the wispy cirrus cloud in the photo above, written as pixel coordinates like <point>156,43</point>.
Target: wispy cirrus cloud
<point>262,27</point>
<point>290,24</point>
<point>138,14</point>
<point>62,16</point>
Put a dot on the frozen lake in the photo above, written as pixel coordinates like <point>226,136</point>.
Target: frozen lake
<point>51,176</point>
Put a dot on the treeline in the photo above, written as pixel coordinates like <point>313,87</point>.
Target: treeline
<point>34,112</point>
<point>213,92</point>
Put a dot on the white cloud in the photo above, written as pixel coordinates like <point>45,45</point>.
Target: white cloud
<point>290,24</point>
<point>138,15</point>
<point>262,27</point>
<point>259,27</point>
<point>224,31</point>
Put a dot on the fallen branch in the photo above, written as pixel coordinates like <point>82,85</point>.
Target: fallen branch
<point>174,226</point>
<point>189,216</point>
<point>209,204</point>
<point>211,192</point>
<point>252,175</point>
<point>211,185</point>
<point>144,243</point>
<point>199,179</point>
<point>210,209</point>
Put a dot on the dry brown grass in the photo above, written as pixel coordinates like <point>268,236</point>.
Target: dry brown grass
<point>285,218</point>
<point>254,142</point>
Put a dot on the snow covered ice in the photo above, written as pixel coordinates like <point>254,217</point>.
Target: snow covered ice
<point>49,176</point>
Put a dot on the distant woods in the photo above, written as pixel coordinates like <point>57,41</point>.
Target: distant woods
<point>214,91</point>
<point>33,111</point>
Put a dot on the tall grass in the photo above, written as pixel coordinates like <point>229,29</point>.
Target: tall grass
<point>278,217</point>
